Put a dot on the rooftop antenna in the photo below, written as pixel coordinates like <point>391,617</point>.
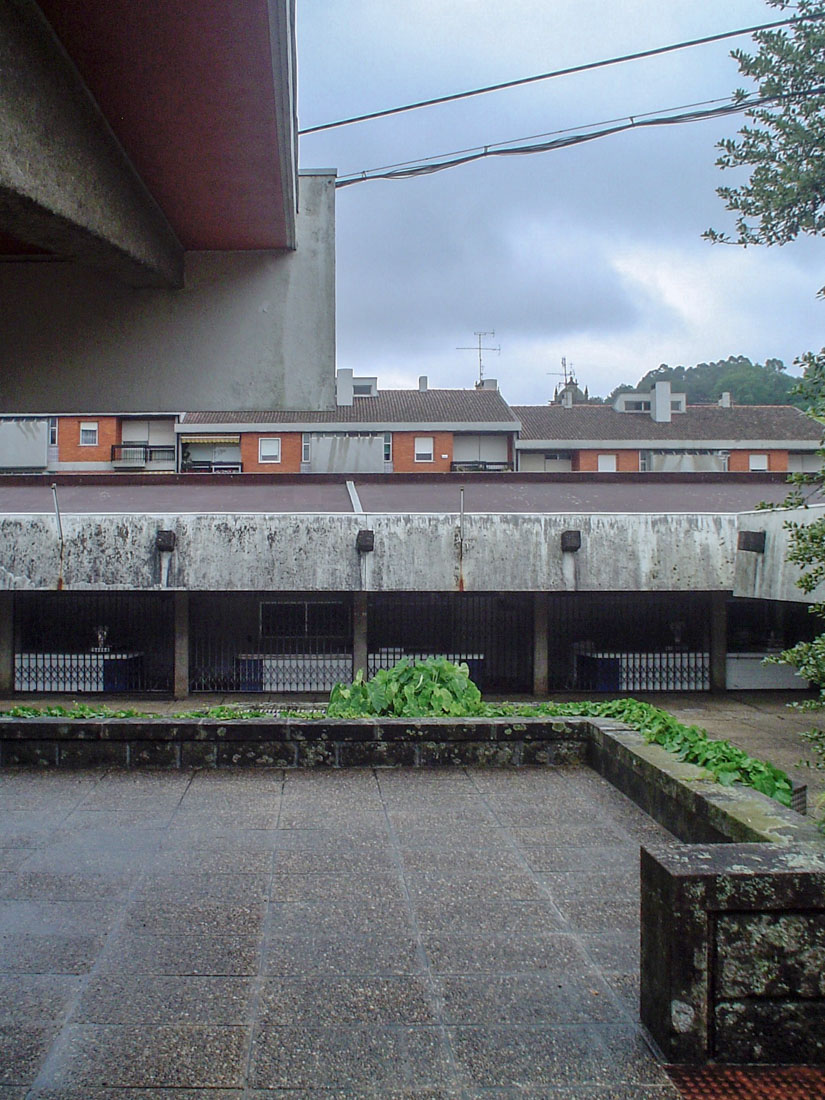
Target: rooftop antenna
<point>567,373</point>
<point>480,348</point>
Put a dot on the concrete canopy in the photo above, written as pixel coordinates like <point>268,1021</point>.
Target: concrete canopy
<point>181,131</point>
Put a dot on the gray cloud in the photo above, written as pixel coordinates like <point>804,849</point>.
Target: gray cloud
<point>546,249</point>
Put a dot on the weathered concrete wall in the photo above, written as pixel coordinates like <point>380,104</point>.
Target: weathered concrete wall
<point>769,575</point>
<point>304,552</point>
<point>249,330</point>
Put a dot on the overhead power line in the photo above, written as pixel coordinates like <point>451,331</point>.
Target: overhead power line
<point>428,166</point>
<point>559,72</point>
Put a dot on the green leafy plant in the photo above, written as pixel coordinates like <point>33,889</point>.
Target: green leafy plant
<point>435,687</point>
<point>725,762</point>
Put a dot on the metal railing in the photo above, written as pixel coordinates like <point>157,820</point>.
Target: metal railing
<point>93,642</point>
<point>481,467</point>
<point>269,642</point>
<point>138,454</point>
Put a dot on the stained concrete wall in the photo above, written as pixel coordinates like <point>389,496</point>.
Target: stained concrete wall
<point>249,330</point>
<point>769,575</point>
<point>504,553</point>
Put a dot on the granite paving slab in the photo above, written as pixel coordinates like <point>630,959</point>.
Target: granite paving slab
<point>450,933</point>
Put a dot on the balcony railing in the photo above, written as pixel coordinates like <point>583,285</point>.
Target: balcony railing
<point>139,454</point>
<point>481,467</point>
<point>197,467</point>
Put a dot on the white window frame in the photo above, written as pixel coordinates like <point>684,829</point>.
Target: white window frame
<point>306,447</point>
<point>88,426</point>
<point>52,431</point>
<point>424,448</point>
<point>275,457</point>
<point>608,459</point>
<point>388,446</point>
<point>758,463</point>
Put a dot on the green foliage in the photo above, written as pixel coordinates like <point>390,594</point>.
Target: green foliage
<point>432,688</point>
<point>782,142</point>
<point>219,713</point>
<point>725,762</point>
<point>76,710</point>
<point>748,383</point>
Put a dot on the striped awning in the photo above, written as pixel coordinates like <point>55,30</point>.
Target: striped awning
<point>210,438</point>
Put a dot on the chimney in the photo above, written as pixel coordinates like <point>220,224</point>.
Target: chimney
<point>422,383</point>
<point>660,409</point>
<point>489,384</point>
<point>724,400</point>
<point>343,387</point>
<point>567,397</point>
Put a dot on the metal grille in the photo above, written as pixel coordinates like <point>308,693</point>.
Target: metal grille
<point>629,641</point>
<point>492,633</point>
<point>93,642</point>
<point>269,642</point>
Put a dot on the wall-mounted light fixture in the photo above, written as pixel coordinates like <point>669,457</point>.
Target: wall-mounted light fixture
<point>365,541</point>
<point>165,541</point>
<point>571,541</point>
<point>752,540</point>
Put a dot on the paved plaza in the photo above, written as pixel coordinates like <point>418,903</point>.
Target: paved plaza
<point>439,933</point>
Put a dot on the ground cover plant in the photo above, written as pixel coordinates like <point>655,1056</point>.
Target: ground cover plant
<point>439,688</point>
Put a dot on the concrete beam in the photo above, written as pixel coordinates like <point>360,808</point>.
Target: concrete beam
<point>66,184</point>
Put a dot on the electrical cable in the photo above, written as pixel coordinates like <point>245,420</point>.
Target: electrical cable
<point>535,137</point>
<point>656,51</point>
<point>428,166</point>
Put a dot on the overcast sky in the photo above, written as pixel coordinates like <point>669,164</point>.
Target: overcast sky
<point>593,253</point>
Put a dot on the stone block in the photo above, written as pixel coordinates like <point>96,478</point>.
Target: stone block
<point>376,754</point>
<point>262,754</point>
<point>90,754</point>
<point>26,753</point>
<point>733,952</point>
<point>156,754</point>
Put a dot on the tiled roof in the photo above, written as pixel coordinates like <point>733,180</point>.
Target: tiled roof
<point>710,422</point>
<point>390,406</point>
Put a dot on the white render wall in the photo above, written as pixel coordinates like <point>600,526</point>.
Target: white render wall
<point>249,330</point>
<point>24,444</point>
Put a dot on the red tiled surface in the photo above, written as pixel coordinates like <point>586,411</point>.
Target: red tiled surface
<point>749,1082</point>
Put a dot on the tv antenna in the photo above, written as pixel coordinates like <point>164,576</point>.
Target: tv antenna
<point>567,373</point>
<point>480,348</point>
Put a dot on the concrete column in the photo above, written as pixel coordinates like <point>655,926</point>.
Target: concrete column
<point>6,642</point>
<point>180,686</point>
<point>718,640</point>
<point>541,618</point>
<point>359,633</point>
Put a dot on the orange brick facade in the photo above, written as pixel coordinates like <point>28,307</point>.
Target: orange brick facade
<point>290,453</point>
<point>69,447</point>
<point>627,462</point>
<point>403,453</point>
<point>739,461</point>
